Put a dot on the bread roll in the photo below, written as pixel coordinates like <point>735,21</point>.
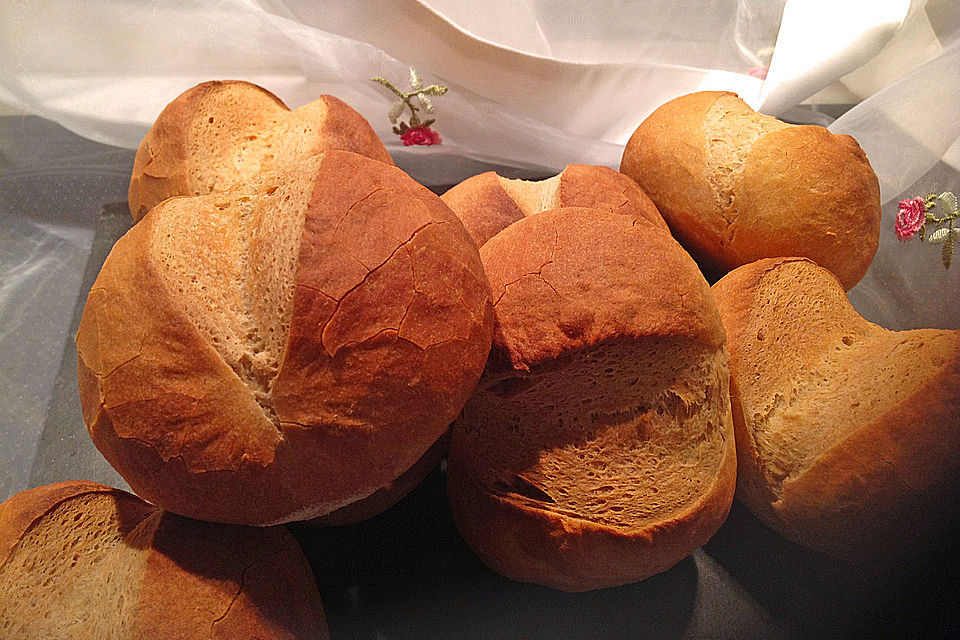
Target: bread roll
<point>83,561</point>
<point>262,356</point>
<point>598,449</point>
<point>488,203</point>
<point>848,435</point>
<point>736,186</point>
<point>221,134</point>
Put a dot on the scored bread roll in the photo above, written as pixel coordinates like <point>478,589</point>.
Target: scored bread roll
<point>848,435</point>
<point>274,354</point>
<point>736,186</point>
<point>488,203</point>
<point>81,560</point>
<point>217,135</point>
<point>598,449</point>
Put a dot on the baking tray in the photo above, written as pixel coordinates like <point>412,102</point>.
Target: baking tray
<point>408,574</point>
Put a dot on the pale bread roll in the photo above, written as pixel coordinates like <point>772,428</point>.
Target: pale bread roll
<point>275,354</point>
<point>848,435</point>
<point>736,186</point>
<point>218,135</point>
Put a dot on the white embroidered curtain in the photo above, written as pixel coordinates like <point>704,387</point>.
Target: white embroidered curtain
<point>534,84</point>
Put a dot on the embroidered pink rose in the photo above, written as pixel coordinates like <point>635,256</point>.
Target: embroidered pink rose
<point>420,135</point>
<point>910,218</point>
<point>933,220</point>
<point>418,130</point>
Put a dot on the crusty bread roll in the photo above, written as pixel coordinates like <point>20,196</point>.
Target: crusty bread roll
<point>220,134</point>
<point>83,561</point>
<point>736,186</point>
<point>488,203</point>
<point>848,435</point>
<point>262,356</point>
<point>598,448</point>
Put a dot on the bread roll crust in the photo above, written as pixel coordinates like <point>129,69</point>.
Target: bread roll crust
<point>868,488</point>
<point>390,324</point>
<point>221,133</point>
<point>178,578</point>
<point>546,473</point>
<point>488,204</point>
<point>736,186</point>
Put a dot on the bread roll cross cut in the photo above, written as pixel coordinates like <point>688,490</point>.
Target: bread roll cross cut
<point>277,353</point>
<point>598,449</point>
<point>218,135</point>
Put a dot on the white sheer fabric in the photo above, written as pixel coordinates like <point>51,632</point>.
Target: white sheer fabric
<point>535,84</point>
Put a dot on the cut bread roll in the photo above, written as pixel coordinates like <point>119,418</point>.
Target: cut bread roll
<point>262,356</point>
<point>84,561</point>
<point>218,135</point>
<point>598,449</point>
<point>488,203</point>
<point>736,186</point>
<point>848,435</point>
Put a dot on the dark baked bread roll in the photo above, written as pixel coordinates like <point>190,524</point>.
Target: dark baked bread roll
<point>598,448</point>
<point>736,186</point>
<point>274,354</point>
<point>81,560</point>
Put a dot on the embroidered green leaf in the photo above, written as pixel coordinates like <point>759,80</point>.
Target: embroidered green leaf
<point>427,123</point>
<point>425,102</point>
<point>948,201</point>
<point>946,254</point>
<point>434,90</point>
<point>415,80</point>
<point>938,236</point>
<point>396,110</point>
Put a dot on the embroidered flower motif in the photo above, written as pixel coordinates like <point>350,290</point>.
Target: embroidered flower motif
<point>916,214</point>
<point>910,218</point>
<point>758,72</point>
<point>417,131</point>
<point>420,135</point>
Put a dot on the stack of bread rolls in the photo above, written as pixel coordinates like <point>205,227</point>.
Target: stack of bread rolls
<point>293,324</point>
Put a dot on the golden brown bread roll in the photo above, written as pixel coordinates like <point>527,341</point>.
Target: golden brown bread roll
<point>736,186</point>
<point>84,561</point>
<point>275,354</point>
<point>218,135</point>
<point>598,449</point>
<point>488,203</point>
<point>848,435</point>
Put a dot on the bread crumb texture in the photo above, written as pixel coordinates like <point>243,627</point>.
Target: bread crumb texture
<point>598,449</point>
<point>82,560</point>
<point>812,381</point>
<point>281,350</point>
<point>218,135</point>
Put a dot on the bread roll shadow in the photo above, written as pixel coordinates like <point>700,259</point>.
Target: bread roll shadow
<point>825,597</point>
<point>407,573</point>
